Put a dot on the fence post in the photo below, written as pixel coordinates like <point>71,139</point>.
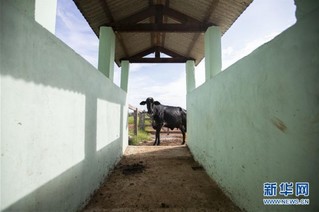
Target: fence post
<point>135,121</point>
<point>135,117</point>
<point>141,122</point>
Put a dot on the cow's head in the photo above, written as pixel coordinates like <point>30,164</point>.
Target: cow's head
<point>150,104</point>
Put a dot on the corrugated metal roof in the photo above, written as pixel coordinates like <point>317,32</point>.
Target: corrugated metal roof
<point>169,26</point>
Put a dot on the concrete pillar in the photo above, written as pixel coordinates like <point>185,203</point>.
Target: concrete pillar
<point>213,57</point>
<point>45,13</point>
<point>106,52</point>
<point>190,75</point>
<point>42,11</point>
<point>125,68</point>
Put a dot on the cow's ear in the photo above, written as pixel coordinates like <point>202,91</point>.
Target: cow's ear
<point>157,103</point>
<point>142,103</point>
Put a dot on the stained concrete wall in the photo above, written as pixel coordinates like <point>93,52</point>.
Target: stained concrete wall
<point>63,123</point>
<point>258,121</point>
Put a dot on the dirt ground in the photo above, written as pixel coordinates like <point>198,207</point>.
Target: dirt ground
<point>167,137</point>
<point>159,178</point>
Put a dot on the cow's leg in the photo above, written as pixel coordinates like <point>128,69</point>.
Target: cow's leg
<point>154,125</point>
<point>158,134</point>
<point>183,130</point>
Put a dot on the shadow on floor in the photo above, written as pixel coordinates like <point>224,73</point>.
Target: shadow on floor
<point>159,177</point>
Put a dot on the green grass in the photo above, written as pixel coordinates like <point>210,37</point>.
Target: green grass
<point>140,137</point>
<point>130,120</point>
<point>141,134</point>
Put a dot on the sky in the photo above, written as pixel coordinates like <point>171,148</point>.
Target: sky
<point>258,24</point>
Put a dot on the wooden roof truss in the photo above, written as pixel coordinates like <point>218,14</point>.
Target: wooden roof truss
<point>158,26</point>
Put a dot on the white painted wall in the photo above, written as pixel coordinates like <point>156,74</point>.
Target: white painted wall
<point>63,123</point>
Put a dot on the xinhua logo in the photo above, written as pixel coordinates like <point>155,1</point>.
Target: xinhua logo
<point>286,189</point>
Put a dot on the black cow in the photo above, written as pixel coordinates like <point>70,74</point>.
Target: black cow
<point>167,116</point>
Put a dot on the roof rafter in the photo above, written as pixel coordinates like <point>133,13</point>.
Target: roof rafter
<point>178,16</point>
<point>161,27</point>
<point>152,10</point>
<point>165,20</point>
<point>168,52</point>
<point>130,23</point>
<point>159,60</point>
<point>172,24</point>
<point>208,13</point>
<point>174,57</point>
<point>137,17</point>
<point>108,13</point>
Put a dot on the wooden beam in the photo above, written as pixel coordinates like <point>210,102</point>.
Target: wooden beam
<point>107,10</point>
<point>152,20</point>
<point>175,57</point>
<point>165,21</point>
<point>157,54</point>
<point>152,10</point>
<point>137,17</point>
<point>159,60</point>
<point>188,27</point>
<point>142,53</point>
<point>158,14</point>
<point>168,52</point>
<point>208,13</point>
<point>155,49</point>
<point>178,16</point>
<point>108,13</point>
<point>158,20</point>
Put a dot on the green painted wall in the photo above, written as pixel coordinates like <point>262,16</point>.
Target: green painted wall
<point>106,52</point>
<point>63,123</point>
<point>213,56</point>
<point>125,70</point>
<point>190,75</point>
<point>258,121</point>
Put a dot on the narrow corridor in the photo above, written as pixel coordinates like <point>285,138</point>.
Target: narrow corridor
<point>152,178</point>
